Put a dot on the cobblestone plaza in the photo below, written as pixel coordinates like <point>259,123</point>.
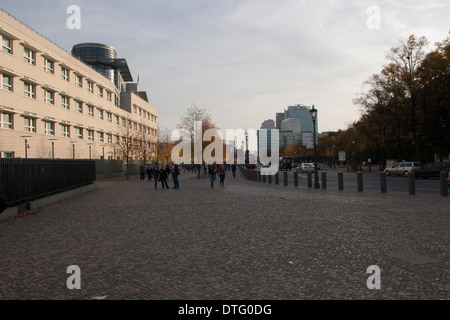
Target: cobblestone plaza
<point>242,241</point>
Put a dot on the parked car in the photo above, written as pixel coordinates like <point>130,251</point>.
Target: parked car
<point>432,169</point>
<point>402,168</point>
<point>305,167</point>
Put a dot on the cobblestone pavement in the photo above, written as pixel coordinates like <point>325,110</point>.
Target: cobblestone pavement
<point>242,241</point>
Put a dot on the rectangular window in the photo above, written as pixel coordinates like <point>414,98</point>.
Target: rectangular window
<point>90,135</point>
<point>65,103</point>
<point>116,139</point>
<point>109,117</point>
<point>7,83</point>
<point>48,65</point>
<point>49,97</point>
<point>29,90</point>
<point>29,56</point>
<point>30,124</point>
<point>140,111</point>
<point>134,125</point>
<point>50,128</point>
<point>100,136</point>
<point>64,74</point>
<point>78,107</point>
<point>79,133</point>
<point>109,138</point>
<point>65,131</point>
<point>90,86</point>
<point>90,111</point>
<point>78,82</point>
<point>117,119</point>
<point>108,95</point>
<point>100,114</point>
<point>134,109</point>
<point>100,92</point>
<point>124,122</point>
<point>7,155</point>
<point>6,121</point>
<point>6,44</point>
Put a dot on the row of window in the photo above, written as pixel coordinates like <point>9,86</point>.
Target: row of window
<point>49,97</point>
<point>7,122</point>
<point>29,56</point>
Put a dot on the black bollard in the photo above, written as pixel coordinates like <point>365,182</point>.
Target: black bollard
<point>360,182</point>
<point>383,183</point>
<point>309,179</point>
<point>444,187</point>
<point>324,180</point>
<point>296,179</point>
<point>340,180</point>
<point>412,184</point>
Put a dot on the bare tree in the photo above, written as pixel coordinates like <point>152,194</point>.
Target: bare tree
<point>127,143</point>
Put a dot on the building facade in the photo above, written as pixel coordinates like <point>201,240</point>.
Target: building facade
<point>54,104</point>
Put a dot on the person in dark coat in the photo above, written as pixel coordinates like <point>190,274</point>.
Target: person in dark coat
<point>149,173</point>
<point>163,178</point>
<point>156,175</point>
<point>175,174</point>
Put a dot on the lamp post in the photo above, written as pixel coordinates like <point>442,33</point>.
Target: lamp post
<point>53,148</point>
<point>247,160</point>
<point>26,145</point>
<point>313,112</point>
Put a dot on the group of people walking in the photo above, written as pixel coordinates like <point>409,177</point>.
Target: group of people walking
<point>161,174</point>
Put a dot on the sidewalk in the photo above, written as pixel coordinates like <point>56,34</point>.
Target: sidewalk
<point>241,241</point>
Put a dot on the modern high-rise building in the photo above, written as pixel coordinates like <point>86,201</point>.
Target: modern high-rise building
<point>303,114</point>
<point>280,116</point>
<point>54,104</point>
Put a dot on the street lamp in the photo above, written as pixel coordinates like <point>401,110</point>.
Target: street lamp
<point>73,148</point>
<point>247,160</point>
<point>26,145</point>
<point>313,112</point>
<point>53,147</point>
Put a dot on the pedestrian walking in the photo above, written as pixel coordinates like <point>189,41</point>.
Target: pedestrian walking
<point>142,171</point>
<point>149,173</point>
<point>233,169</point>
<point>221,172</point>
<point>163,178</point>
<point>156,175</point>
<point>175,174</point>
<point>212,171</point>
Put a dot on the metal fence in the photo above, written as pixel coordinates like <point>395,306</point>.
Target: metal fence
<point>24,180</point>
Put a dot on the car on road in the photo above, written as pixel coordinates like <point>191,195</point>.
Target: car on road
<point>402,168</point>
<point>295,165</point>
<point>432,169</point>
<point>305,167</point>
<point>285,163</point>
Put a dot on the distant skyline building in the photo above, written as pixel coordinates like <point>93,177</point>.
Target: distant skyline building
<point>280,116</point>
<point>268,124</point>
<point>303,114</point>
<point>290,125</point>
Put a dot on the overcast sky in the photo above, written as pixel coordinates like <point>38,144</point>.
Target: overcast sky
<point>244,60</point>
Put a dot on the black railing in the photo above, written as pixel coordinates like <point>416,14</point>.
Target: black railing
<point>24,180</point>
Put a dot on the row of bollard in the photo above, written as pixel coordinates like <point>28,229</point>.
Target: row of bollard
<point>256,176</point>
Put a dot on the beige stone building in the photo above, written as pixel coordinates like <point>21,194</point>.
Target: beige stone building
<point>56,104</point>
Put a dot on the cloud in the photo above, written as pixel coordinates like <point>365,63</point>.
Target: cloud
<point>244,60</point>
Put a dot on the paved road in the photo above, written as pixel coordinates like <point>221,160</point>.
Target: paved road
<point>241,241</point>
